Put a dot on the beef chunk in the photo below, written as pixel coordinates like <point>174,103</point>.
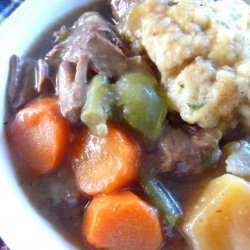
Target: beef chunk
<point>120,7</point>
<point>72,87</point>
<point>186,150</point>
<point>106,58</point>
<point>46,78</point>
<point>27,79</point>
<point>89,44</point>
<point>93,36</point>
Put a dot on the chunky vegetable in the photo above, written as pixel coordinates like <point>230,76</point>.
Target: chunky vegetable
<point>98,107</point>
<point>221,217</point>
<point>134,98</point>
<point>39,136</point>
<point>104,164</point>
<point>144,106</point>
<point>162,200</point>
<point>122,221</point>
<point>238,160</point>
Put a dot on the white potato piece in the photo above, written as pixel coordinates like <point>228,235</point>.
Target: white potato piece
<point>221,218</point>
<point>238,160</point>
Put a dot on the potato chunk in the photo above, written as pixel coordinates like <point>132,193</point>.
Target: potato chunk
<point>221,218</point>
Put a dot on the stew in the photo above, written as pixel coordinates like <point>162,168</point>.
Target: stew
<point>131,129</point>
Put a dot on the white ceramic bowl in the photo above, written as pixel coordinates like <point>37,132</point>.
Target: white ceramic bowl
<point>21,227</point>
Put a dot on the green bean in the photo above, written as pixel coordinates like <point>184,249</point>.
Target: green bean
<point>162,199</point>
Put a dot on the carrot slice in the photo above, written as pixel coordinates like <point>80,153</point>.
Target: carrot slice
<point>104,164</point>
<point>39,136</point>
<point>122,221</point>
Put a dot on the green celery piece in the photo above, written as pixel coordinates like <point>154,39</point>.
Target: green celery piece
<point>98,107</point>
<point>144,105</point>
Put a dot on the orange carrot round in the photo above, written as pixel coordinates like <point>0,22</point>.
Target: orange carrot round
<point>39,136</point>
<point>104,164</point>
<point>122,221</point>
